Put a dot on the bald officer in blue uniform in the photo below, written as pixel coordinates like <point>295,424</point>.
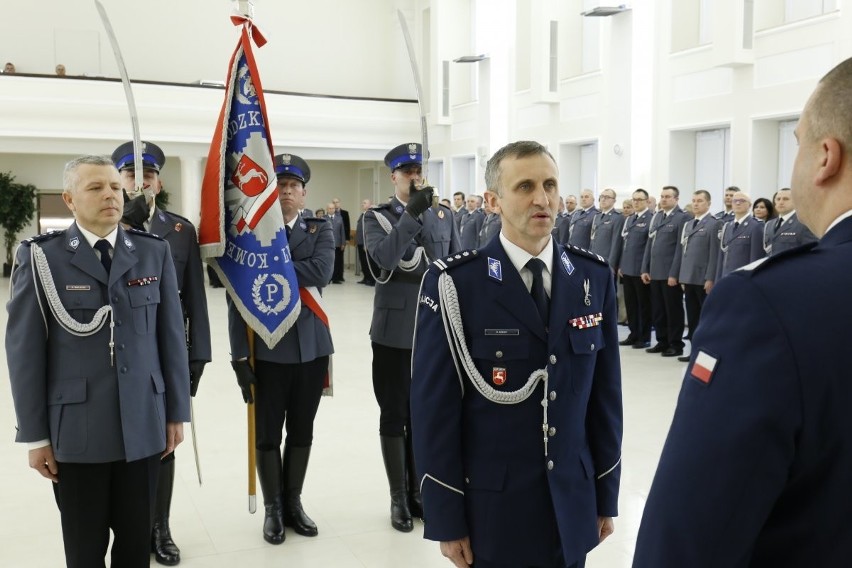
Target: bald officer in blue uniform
<point>402,237</point>
<point>522,325</point>
<point>183,242</point>
<point>786,232</point>
<point>289,377</point>
<point>756,467</point>
<point>97,360</point>
<point>740,239</point>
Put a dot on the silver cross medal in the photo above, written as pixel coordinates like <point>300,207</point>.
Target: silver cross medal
<point>588,299</point>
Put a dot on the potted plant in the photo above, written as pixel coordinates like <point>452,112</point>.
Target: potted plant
<point>17,209</point>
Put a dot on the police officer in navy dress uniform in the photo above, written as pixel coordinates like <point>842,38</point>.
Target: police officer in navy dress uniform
<point>740,239</point>
<point>97,360</point>
<point>402,237</point>
<point>786,232</point>
<point>516,387</point>
<point>182,239</point>
<point>756,467</point>
<point>470,223</point>
<point>290,377</point>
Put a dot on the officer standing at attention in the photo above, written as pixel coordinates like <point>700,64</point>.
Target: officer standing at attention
<point>785,232</point>
<point>728,213</point>
<point>97,360</point>
<point>520,325</point>
<point>580,224</point>
<point>606,228</point>
<point>741,238</point>
<point>402,237</point>
<point>490,227</point>
<point>666,293</point>
<point>183,242</point>
<point>756,467</point>
<point>637,298</point>
<point>289,378</point>
<point>695,259</point>
<point>470,223</point>
<point>367,277</point>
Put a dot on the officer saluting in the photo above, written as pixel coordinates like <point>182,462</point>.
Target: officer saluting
<point>289,378</point>
<point>402,237</point>
<point>181,236</point>
<point>516,387</point>
<point>97,360</point>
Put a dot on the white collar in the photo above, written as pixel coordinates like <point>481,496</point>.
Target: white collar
<point>519,257</point>
<point>92,238</point>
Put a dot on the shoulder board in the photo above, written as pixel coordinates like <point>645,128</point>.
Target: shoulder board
<point>380,206</point>
<point>314,219</point>
<point>43,237</point>
<point>456,259</point>
<point>774,259</point>
<point>180,217</point>
<point>587,254</point>
<point>143,234</point>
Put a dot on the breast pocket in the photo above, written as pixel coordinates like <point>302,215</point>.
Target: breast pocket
<point>585,343</point>
<point>144,301</point>
<point>83,304</point>
<point>503,360</point>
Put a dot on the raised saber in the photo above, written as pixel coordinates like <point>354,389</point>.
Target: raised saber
<point>194,440</point>
<point>419,88</point>
<point>131,102</point>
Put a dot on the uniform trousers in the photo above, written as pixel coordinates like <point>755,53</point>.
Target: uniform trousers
<point>694,296</point>
<point>337,273</point>
<point>287,393</point>
<point>392,387</point>
<point>96,497</point>
<point>364,259</point>
<point>487,564</point>
<point>637,302</point>
<point>667,313</point>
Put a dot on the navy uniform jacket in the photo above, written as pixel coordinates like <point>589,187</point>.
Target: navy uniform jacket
<point>606,230</point>
<point>577,230</point>
<point>634,237</point>
<point>182,239</point>
<point>792,233</point>
<point>739,246</point>
<point>660,251</point>
<point>395,301</point>
<point>756,467</point>
<point>63,385</point>
<point>697,252</point>
<point>312,250</point>
<point>469,226</point>
<point>482,465</point>
<point>490,228</point>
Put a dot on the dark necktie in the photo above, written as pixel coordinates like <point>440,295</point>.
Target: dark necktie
<point>778,224</point>
<point>736,225</point>
<point>694,224</point>
<point>539,296</point>
<point>289,230</point>
<point>104,247</point>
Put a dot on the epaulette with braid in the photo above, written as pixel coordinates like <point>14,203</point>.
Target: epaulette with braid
<point>43,237</point>
<point>588,254</point>
<point>455,259</point>
<point>133,231</point>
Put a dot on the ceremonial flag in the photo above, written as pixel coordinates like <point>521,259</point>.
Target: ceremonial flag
<point>242,233</point>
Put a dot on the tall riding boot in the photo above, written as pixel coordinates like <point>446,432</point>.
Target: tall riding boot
<point>295,467</point>
<point>393,452</point>
<point>164,549</point>
<point>415,501</point>
<point>269,472</point>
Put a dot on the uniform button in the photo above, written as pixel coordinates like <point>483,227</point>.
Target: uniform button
<point>124,369</point>
<point>551,431</point>
<point>59,396</point>
<point>115,299</point>
<point>121,346</point>
<point>549,465</point>
<point>499,354</point>
<point>592,346</point>
<point>552,395</point>
<point>467,480</point>
<point>553,359</point>
<point>149,297</point>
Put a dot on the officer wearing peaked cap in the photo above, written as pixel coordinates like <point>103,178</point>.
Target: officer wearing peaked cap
<point>181,236</point>
<point>516,386</point>
<point>402,237</point>
<point>290,377</point>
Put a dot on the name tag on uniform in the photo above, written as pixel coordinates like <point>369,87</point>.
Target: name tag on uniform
<point>502,332</point>
<point>77,287</point>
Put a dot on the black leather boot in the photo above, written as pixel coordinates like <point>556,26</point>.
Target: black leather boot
<point>269,472</point>
<point>393,452</point>
<point>165,550</point>
<point>295,467</point>
<point>415,501</point>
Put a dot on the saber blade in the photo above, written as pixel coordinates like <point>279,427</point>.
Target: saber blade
<point>194,440</point>
<point>419,88</point>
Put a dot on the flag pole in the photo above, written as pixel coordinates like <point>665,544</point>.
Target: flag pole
<point>250,414</point>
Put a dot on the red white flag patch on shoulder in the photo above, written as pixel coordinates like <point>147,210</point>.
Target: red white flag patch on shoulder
<point>703,367</point>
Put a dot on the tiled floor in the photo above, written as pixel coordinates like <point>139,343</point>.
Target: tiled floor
<point>346,489</point>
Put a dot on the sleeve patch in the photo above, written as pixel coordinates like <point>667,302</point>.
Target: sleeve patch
<point>703,367</point>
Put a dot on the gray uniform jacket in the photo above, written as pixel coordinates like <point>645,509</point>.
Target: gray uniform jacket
<point>663,237</point>
<point>791,234</point>
<point>64,386</point>
<point>739,245</point>
<point>359,230</point>
<point>634,236</point>
<point>560,219</point>
<point>469,227</point>
<point>338,229</point>
<point>395,301</point>
<point>579,228</point>
<point>490,227</point>
<point>606,234</point>
<point>697,252</point>
<point>182,239</point>
<point>312,250</point>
